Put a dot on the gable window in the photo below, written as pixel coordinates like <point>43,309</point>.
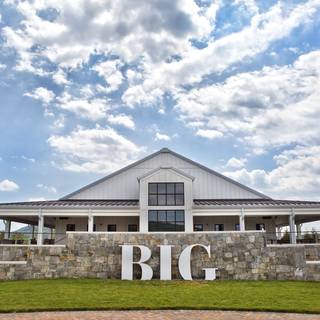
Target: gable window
<point>218,227</point>
<point>166,220</point>
<point>166,194</point>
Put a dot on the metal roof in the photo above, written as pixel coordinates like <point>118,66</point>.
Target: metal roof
<point>166,150</point>
<point>231,203</point>
<point>72,203</point>
<point>255,203</point>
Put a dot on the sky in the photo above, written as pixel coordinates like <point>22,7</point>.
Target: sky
<point>89,86</point>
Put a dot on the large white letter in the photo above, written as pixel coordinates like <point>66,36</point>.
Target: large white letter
<point>165,262</point>
<point>127,262</point>
<point>185,263</point>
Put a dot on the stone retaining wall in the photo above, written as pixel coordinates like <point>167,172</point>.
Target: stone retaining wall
<point>237,255</point>
<point>312,252</point>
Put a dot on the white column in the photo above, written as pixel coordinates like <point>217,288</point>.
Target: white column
<point>143,221</point>
<point>7,228</point>
<point>242,221</point>
<point>188,221</point>
<point>40,228</point>
<point>292,226</point>
<point>90,221</point>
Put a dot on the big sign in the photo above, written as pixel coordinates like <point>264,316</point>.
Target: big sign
<point>184,263</point>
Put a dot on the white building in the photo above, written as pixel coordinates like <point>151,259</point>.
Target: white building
<point>162,192</point>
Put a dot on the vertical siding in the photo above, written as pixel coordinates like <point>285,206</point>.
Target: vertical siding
<point>205,186</point>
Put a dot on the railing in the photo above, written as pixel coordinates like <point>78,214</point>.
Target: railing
<point>31,238</point>
<point>284,237</point>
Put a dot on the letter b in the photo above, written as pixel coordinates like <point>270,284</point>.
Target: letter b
<point>127,262</point>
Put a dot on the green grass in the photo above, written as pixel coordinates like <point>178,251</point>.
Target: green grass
<point>95,294</point>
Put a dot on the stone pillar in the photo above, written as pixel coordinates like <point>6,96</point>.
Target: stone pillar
<point>90,221</point>
<point>292,226</point>
<point>242,223</point>
<point>7,228</point>
<point>40,228</point>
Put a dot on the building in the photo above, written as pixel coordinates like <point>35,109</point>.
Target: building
<point>164,192</point>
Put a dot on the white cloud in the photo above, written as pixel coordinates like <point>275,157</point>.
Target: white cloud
<point>49,189</point>
<point>109,70</point>
<point>123,120</point>
<point>8,185</point>
<point>60,77</point>
<point>2,67</point>
<point>92,109</point>
<point>209,134</point>
<point>42,94</point>
<point>162,137</point>
<point>129,29</point>
<point>220,54</point>
<point>295,176</point>
<point>236,163</point>
<point>267,108</point>
<point>28,159</point>
<point>37,199</point>
<point>94,150</point>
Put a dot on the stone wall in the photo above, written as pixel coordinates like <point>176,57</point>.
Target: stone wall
<point>312,252</point>
<point>237,255</point>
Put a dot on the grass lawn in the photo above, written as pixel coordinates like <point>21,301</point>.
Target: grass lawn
<point>89,294</point>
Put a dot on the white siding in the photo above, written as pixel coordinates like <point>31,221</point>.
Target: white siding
<point>205,186</point>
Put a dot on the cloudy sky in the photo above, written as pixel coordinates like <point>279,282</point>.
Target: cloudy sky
<point>87,87</point>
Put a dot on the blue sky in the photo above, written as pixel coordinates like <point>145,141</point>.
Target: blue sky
<point>87,87</point>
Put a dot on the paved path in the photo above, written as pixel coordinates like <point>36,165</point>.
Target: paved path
<point>157,315</point>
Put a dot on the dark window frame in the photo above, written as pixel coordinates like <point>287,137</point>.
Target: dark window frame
<point>197,225</point>
<point>71,226</point>
<point>131,225</point>
<point>237,227</point>
<point>110,227</point>
<point>220,227</point>
<point>260,226</point>
<point>167,194</point>
<point>164,224</point>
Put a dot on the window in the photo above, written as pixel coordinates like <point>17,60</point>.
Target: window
<point>132,227</point>
<point>166,194</point>
<point>71,227</point>
<point>218,227</point>
<point>237,227</point>
<point>260,226</point>
<point>198,227</point>
<point>112,227</point>
<point>166,220</point>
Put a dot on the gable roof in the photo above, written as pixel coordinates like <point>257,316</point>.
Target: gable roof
<point>165,150</point>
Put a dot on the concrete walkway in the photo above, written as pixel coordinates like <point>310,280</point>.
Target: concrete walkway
<point>157,315</point>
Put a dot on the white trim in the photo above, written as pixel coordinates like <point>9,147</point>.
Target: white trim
<point>33,245</point>
<point>13,262</point>
<point>313,262</point>
<point>174,232</point>
<point>175,170</point>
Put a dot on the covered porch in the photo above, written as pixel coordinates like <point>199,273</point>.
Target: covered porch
<point>283,221</point>
<point>47,222</point>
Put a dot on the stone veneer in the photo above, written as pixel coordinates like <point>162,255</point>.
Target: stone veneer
<point>237,255</point>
